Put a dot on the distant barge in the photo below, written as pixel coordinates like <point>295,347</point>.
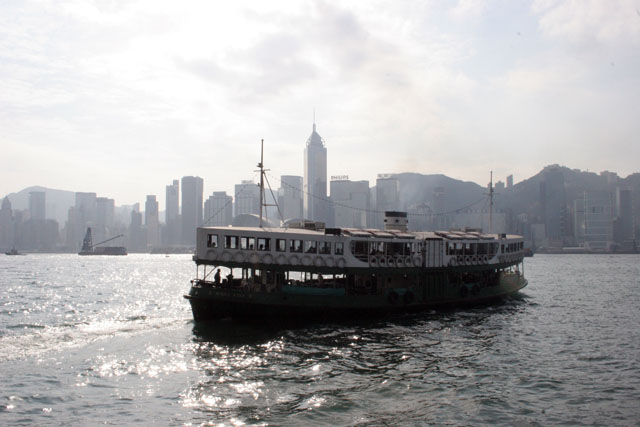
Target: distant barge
<point>88,248</point>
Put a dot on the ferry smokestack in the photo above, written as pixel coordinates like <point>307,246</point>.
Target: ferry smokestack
<point>394,220</point>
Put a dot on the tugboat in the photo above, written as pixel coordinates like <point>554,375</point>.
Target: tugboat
<point>88,248</point>
<point>308,270</point>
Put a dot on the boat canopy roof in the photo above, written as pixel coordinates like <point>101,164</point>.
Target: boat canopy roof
<point>368,233</point>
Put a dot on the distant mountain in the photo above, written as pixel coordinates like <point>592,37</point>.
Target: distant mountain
<point>416,189</point>
<point>57,202</point>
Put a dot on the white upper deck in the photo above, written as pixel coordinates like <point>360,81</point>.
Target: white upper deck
<point>354,248</point>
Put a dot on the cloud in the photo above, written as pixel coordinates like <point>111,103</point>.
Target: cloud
<point>580,21</point>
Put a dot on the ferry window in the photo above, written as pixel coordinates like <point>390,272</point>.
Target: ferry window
<point>212,241</point>
<point>339,249</point>
<point>359,249</point>
<point>324,248</point>
<point>395,248</point>
<point>263,244</point>
<point>231,242</point>
<point>281,245</point>
<point>247,243</point>
<point>310,246</point>
<point>295,246</point>
<point>377,248</point>
<point>407,248</point>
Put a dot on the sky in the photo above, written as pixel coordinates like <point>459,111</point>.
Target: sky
<point>122,97</point>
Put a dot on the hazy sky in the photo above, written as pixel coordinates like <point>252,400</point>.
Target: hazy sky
<point>122,97</point>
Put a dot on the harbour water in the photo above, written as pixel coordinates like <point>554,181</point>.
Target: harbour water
<point>110,340</point>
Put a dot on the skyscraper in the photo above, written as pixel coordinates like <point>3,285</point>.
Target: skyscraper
<point>172,213</point>
<point>151,221</point>
<point>315,178</point>
<point>192,188</point>
<point>37,205</point>
<point>351,202</point>
<point>290,197</point>
<point>103,226</point>
<point>554,204</point>
<point>218,209</point>
<point>7,231</point>
<point>387,197</point>
<point>247,197</point>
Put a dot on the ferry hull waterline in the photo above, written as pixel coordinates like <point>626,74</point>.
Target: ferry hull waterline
<point>308,270</point>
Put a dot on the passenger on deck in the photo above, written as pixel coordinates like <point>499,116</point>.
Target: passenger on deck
<point>216,277</point>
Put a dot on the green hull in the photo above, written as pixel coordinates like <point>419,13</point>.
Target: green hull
<point>215,302</point>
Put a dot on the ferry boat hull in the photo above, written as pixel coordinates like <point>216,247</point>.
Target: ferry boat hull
<point>213,302</point>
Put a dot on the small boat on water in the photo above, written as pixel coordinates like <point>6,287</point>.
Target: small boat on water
<point>88,248</point>
<point>308,270</point>
<point>14,251</point>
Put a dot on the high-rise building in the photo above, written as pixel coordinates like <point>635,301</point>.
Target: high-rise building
<point>192,190</point>
<point>83,216</point>
<point>7,229</point>
<point>172,213</point>
<point>37,205</point>
<point>624,216</point>
<point>598,220</point>
<point>136,241</point>
<point>103,226</point>
<point>247,198</point>
<point>387,197</point>
<point>290,198</point>
<point>315,178</point>
<point>218,209</point>
<point>152,222</point>
<point>554,205</point>
<point>509,181</point>
<point>350,200</point>
<point>578,221</point>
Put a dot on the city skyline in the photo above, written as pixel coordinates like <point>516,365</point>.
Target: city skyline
<point>103,97</point>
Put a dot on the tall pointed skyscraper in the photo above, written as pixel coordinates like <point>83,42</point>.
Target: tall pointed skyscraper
<point>315,178</point>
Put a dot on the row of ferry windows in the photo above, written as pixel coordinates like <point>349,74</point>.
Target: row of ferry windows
<point>264,244</point>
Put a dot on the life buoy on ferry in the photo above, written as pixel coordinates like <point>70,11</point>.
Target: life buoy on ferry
<point>306,260</point>
<point>318,262</point>
<point>407,261</point>
<point>453,262</point>
<point>329,262</point>
<point>392,298</point>
<point>267,259</point>
<point>294,260</point>
<point>226,256</point>
<point>382,261</point>
<point>391,262</point>
<point>399,262</point>
<point>373,261</point>
<point>281,259</point>
<point>254,258</point>
<point>212,254</point>
<point>467,259</point>
<point>341,263</point>
<point>485,259</point>
<point>417,261</point>
<point>460,259</point>
<point>474,259</point>
<point>239,257</point>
